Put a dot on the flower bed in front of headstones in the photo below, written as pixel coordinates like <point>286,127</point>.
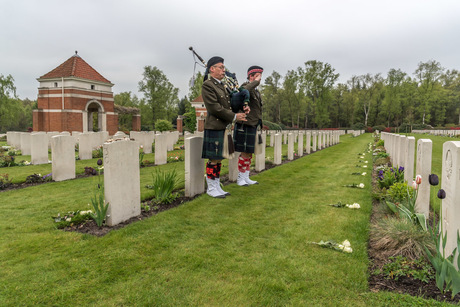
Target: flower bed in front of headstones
<point>401,240</point>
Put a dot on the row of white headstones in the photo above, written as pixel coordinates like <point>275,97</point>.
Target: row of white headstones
<point>402,153</point>
<point>121,159</point>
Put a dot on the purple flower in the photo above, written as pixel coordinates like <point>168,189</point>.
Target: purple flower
<point>441,194</point>
<point>94,172</point>
<point>433,179</point>
<point>99,162</point>
<point>401,169</point>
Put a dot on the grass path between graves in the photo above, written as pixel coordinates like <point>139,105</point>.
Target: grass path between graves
<point>248,249</point>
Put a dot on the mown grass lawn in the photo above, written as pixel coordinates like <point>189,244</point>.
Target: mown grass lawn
<point>248,249</point>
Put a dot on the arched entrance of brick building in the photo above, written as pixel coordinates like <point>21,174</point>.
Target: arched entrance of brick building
<point>95,116</point>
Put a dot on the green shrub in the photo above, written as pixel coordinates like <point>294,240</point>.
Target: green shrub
<point>380,143</point>
<point>398,192</point>
<point>358,126</point>
<point>272,126</point>
<point>379,128</point>
<point>163,125</point>
<point>190,120</point>
<point>405,128</point>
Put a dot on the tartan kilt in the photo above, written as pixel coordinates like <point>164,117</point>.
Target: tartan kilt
<point>213,144</point>
<point>244,137</point>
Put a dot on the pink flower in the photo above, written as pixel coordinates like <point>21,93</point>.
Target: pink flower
<point>414,185</point>
<point>418,179</point>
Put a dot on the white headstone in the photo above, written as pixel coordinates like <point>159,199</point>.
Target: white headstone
<point>278,149</point>
<point>260,158</point>
<point>308,142</point>
<point>161,149</point>
<point>291,146</point>
<point>409,159</point>
<point>121,181</point>
<point>314,137</point>
<point>194,166</point>
<point>85,146</point>
<point>451,185</point>
<point>423,168</point>
<point>25,143</point>
<point>39,148</point>
<point>300,145</point>
<point>63,157</point>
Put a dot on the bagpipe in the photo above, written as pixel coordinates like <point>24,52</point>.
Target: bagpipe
<point>239,96</point>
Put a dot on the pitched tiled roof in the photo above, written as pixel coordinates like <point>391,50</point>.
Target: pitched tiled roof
<point>75,67</point>
<point>198,99</point>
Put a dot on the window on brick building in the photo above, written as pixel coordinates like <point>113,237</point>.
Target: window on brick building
<point>93,87</point>
<point>55,84</point>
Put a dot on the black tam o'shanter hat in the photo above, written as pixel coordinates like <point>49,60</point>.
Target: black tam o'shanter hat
<point>214,60</point>
<point>255,69</point>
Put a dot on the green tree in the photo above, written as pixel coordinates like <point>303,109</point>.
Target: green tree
<point>8,107</point>
<point>370,89</point>
<point>126,99</point>
<point>183,105</point>
<point>196,82</point>
<point>190,119</point>
<point>317,81</point>
<point>270,92</point>
<point>160,95</point>
<point>427,75</point>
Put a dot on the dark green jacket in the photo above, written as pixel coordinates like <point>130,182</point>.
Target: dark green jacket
<point>255,103</point>
<point>217,102</point>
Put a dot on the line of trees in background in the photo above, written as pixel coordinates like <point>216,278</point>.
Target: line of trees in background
<point>307,97</point>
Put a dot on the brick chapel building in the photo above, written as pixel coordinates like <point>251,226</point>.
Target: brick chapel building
<point>75,97</point>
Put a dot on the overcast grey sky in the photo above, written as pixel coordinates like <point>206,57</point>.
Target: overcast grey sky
<point>118,38</point>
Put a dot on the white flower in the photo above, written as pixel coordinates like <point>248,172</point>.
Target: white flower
<point>68,219</point>
<point>346,243</point>
<point>362,157</point>
<point>354,206</point>
<point>361,185</point>
<point>341,246</point>
<point>364,174</point>
<point>364,165</point>
<point>365,162</point>
<point>348,250</point>
<point>26,163</point>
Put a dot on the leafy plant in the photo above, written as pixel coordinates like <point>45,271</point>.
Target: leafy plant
<point>400,266</point>
<point>141,158</point>
<point>98,153</point>
<point>34,178</point>
<point>71,218</point>
<point>406,208</point>
<point>388,177</point>
<point>399,191</point>
<point>5,182</point>
<point>163,185</point>
<point>98,201</point>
